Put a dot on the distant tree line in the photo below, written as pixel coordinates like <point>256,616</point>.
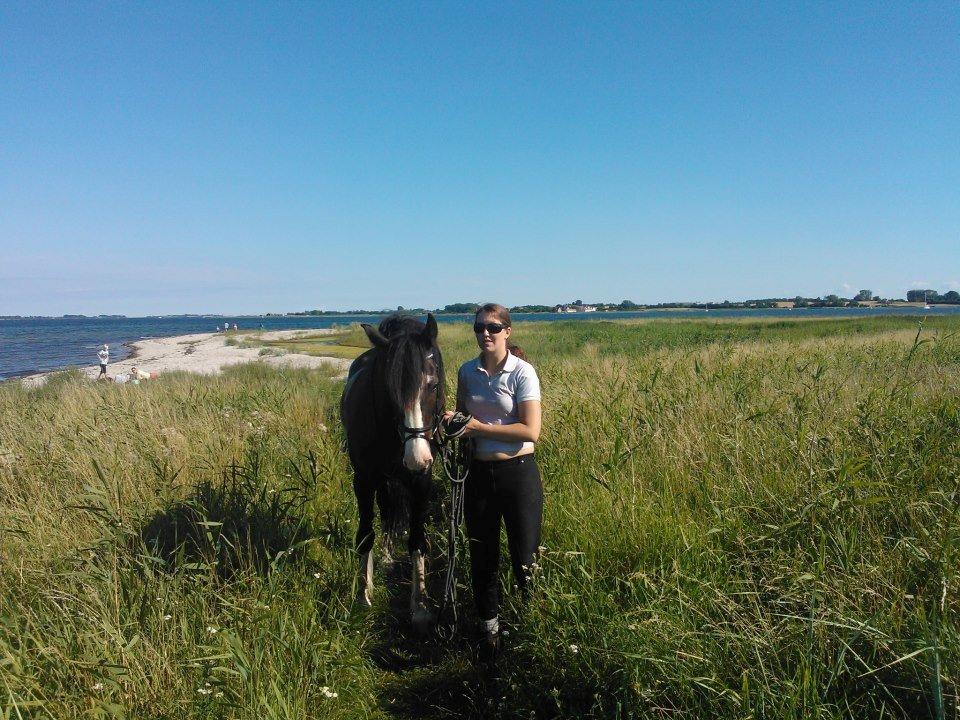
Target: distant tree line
<point>858,300</point>
<point>951,297</point>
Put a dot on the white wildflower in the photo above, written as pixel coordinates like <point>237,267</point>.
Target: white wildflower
<point>167,617</point>
<point>317,575</point>
<point>321,427</point>
<point>574,648</point>
<point>204,691</point>
<point>327,692</point>
<point>97,687</point>
<point>212,630</point>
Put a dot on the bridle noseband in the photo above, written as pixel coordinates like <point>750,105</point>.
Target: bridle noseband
<point>411,433</point>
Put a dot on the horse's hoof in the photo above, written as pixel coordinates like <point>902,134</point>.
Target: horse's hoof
<point>363,599</point>
<point>422,620</point>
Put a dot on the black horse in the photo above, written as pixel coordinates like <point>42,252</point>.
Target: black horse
<point>391,403</point>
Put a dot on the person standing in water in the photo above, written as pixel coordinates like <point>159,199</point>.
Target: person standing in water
<point>501,391</point>
<point>104,356</point>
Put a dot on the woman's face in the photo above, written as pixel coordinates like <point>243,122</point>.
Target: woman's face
<point>495,343</point>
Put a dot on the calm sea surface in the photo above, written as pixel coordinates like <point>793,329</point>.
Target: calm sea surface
<point>36,345</point>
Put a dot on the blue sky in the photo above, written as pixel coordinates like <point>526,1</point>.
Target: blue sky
<point>231,157</point>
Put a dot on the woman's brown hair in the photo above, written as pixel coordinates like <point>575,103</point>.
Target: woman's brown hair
<point>503,317</point>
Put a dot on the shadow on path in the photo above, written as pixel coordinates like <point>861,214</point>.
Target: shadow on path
<point>436,676</point>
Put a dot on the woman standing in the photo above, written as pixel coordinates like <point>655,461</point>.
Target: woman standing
<point>502,393</point>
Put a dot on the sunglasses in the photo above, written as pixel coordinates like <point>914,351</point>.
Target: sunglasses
<point>492,328</point>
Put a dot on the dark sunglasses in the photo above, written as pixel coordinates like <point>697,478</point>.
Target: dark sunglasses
<point>492,328</point>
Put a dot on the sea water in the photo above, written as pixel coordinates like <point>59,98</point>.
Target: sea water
<point>29,345</point>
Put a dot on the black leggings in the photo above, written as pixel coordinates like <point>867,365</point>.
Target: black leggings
<point>508,489</point>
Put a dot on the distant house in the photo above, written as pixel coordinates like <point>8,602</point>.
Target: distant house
<point>575,308</point>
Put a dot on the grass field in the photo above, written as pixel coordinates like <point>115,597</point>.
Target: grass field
<point>744,519</point>
<point>347,343</point>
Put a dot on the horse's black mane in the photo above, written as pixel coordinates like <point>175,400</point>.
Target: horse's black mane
<point>406,358</point>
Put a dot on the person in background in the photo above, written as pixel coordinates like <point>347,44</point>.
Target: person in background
<point>104,356</point>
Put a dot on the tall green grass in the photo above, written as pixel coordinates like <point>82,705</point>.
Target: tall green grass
<point>743,519</point>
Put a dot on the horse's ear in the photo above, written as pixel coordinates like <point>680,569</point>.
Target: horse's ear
<point>376,337</point>
<point>430,331</point>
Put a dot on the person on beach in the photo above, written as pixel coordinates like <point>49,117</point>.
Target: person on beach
<point>104,356</point>
<point>501,391</point>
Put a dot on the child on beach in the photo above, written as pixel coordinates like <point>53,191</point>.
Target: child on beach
<point>104,356</point>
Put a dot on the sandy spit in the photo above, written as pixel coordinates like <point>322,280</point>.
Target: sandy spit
<point>204,353</point>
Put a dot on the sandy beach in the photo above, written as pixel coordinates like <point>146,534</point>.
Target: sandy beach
<point>204,353</point>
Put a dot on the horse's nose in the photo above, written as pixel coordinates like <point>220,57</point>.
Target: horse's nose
<point>416,455</point>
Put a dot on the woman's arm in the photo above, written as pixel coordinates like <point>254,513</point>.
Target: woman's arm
<point>526,430</point>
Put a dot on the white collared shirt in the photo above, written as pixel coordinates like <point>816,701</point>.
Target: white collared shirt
<point>495,398</point>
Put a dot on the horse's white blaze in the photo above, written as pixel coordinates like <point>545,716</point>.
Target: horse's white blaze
<point>416,451</point>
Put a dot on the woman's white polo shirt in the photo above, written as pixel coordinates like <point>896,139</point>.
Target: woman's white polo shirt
<point>494,398</point>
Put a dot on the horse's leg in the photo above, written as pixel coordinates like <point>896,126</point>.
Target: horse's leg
<point>386,538</point>
<point>363,488</point>
<point>420,612</point>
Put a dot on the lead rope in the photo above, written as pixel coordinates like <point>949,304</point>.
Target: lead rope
<point>455,454</point>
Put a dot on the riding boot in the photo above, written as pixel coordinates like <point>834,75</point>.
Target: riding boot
<point>489,645</point>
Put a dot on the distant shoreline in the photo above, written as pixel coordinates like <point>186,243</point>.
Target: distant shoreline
<point>525,309</point>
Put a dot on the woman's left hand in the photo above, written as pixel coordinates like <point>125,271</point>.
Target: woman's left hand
<point>471,427</point>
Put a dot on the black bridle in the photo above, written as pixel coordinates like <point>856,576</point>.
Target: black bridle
<point>428,432</point>
<point>411,433</point>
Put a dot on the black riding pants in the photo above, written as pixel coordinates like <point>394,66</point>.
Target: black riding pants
<point>511,490</point>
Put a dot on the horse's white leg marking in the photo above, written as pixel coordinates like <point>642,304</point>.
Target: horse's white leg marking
<point>419,609</point>
<point>416,451</point>
<point>366,579</point>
